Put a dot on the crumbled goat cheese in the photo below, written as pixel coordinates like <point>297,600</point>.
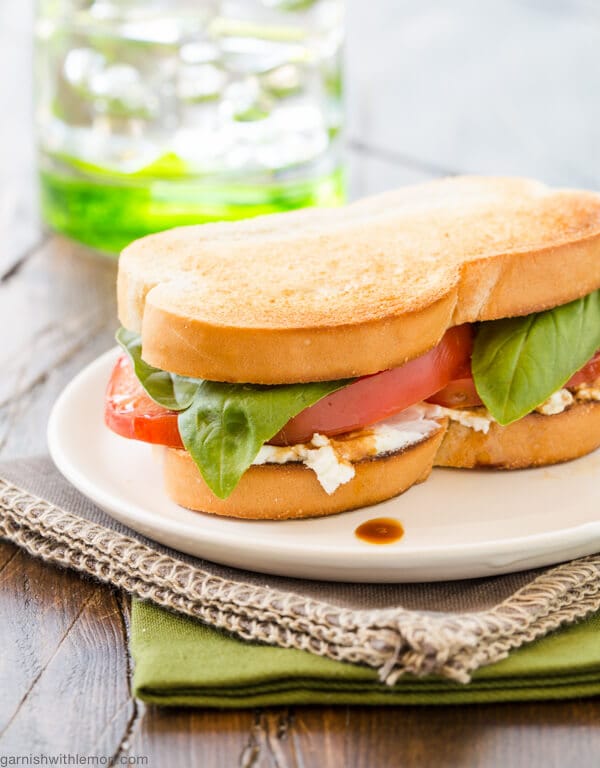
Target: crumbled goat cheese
<point>329,468</point>
<point>325,456</point>
<point>556,403</point>
<point>318,455</point>
<point>585,394</point>
<point>478,420</point>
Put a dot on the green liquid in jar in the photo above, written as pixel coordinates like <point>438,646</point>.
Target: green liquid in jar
<point>107,211</point>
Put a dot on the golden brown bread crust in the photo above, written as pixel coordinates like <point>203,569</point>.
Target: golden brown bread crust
<point>324,294</point>
<point>311,354</point>
<point>285,491</point>
<point>517,283</point>
<point>533,441</point>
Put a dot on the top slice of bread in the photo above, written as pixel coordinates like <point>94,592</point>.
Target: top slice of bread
<point>328,293</point>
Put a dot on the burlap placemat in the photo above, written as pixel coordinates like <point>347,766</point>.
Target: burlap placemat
<point>449,628</point>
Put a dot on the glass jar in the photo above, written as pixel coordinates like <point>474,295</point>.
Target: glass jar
<point>156,113</point>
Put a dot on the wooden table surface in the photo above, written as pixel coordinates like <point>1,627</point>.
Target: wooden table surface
<point>433,88</point>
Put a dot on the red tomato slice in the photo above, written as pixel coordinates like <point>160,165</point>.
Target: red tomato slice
<point>440,376</point>
<point>373,398</point>
<point>588,374</point>
<point>129,411</point>
<point>461,392</point>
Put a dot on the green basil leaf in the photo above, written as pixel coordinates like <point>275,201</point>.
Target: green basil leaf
<point>223,426</point>
<point>519,362</point>
<point>167,389</point>
<point>226,424</point>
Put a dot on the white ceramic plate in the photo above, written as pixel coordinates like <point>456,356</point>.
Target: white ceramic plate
<point>459,524</point>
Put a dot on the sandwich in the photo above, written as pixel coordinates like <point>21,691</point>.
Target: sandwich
<point>311,362</point>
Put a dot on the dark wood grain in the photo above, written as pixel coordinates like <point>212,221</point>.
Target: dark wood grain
<point>534,735</point>
<point>521,736</point>
<point>63,667</point>
<point>57,315</point>
<point>247,739</point>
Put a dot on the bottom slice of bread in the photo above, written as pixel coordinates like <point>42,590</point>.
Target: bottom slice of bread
<point>533,441</point>
<point>281,491</point>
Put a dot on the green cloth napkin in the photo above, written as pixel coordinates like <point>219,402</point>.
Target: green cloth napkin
<point>179,661</point>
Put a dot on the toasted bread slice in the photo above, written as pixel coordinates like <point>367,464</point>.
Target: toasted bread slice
<point>283,491</point>
<point>533,441</point>
<point>322,294</point>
